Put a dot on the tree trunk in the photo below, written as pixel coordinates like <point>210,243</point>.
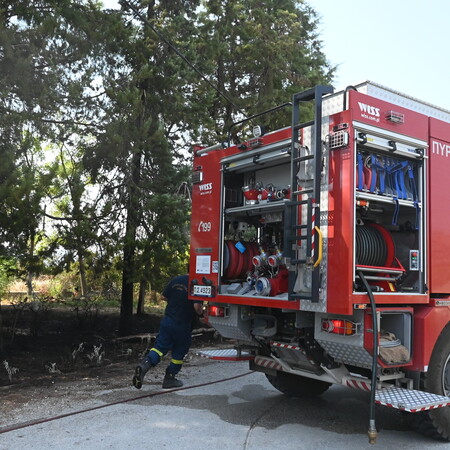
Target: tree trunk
<point>1,327</point>
<point>29,280</point>
<point>126,306</point>
<point>82,270</point>
<point>142,291</point>
<point>128,271</point>
<point>29,284</point>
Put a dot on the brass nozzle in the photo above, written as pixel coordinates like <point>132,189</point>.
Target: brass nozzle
<point>372,436</point>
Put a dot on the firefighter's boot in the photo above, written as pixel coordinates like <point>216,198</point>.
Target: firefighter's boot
<point>171,382</point>
<point>139,373</point>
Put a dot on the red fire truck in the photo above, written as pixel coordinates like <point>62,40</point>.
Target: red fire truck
<point>322,249</point>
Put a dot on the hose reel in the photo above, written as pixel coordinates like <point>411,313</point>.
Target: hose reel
<point>375,257</point>
<point>374,246</point>
<point>238,258</point>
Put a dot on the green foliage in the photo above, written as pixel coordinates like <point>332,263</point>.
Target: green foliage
<point>51,58</point>
<point>97,114</point>
<point>62,286</point>
<point>260,53</point>
<point>6,275</point>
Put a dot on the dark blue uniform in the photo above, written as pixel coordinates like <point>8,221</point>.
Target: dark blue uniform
<point>175,332</point>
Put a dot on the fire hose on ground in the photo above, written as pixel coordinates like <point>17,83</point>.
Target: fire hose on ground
<point>107,405</point>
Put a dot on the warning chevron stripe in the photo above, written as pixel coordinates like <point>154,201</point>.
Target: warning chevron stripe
<point>357,384</point>
<point>288,346</point>
<point>267,363</point>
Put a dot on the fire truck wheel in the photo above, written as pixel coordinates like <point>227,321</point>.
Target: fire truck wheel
<point>436,422</point>
<point>297,386</point>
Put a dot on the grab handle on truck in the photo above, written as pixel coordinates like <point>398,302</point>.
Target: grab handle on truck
<point>319,258</point>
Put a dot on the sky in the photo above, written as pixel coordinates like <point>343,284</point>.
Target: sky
<point>401,44</point>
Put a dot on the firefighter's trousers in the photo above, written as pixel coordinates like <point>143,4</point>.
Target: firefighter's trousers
<point>172,336</point>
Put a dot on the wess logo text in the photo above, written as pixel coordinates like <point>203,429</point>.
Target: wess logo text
<point>205,187</point>
<point>369,109</point>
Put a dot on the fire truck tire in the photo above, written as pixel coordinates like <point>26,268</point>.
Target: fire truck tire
<point>436,422</point>
<point>297,386</point>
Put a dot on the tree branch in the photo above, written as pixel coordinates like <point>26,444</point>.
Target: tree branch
<point>72,122</point>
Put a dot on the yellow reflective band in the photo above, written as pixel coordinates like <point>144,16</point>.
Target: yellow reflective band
<point>176,361</point>
<point>157,351</point>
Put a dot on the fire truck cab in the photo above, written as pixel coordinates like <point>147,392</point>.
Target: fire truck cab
<point>322,248</point>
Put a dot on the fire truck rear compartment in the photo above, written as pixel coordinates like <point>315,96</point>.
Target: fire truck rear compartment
<point>303,224</point>
<point>388,230</point>
<point>253,226</point>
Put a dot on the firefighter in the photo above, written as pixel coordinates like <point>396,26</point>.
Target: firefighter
<point>175,333</point>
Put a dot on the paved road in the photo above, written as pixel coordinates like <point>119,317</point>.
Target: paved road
<point>244,413</point>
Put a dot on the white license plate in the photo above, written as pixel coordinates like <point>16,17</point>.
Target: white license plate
<point>202,290</point>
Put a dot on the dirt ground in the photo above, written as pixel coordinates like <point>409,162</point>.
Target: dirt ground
<point>63,354</point>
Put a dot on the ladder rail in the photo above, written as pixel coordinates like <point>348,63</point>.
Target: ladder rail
<point>292,225</point>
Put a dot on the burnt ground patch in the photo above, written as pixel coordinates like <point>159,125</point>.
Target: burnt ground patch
<point>63,343</point>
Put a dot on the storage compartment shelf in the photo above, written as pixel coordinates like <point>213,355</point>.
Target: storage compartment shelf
<point>384,199</point>
<point>276,149</point>
<point>258,208</point>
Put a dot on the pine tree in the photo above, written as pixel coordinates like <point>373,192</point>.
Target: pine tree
<point>260,53</point>
<point>121,108</point>
<point>146,113</point>
<point>52,58</point>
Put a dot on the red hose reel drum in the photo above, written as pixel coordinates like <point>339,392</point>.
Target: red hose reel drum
<point>236,263</point>
<point>253,250</point>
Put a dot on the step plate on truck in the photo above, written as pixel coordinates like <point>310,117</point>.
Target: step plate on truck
<point>409,400</point>
<point>230,354</point>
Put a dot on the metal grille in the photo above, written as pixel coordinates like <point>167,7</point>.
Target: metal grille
<point>229,354</point>
<point>197,176</point>
<point>395,117</point>
<point>410,400</point>
<point>232,326</point>
<point>338,139</point>
<point>345,353</point>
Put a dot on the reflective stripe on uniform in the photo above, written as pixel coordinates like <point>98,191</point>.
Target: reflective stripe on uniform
<point>176,361</point>
<point>161,354</point>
